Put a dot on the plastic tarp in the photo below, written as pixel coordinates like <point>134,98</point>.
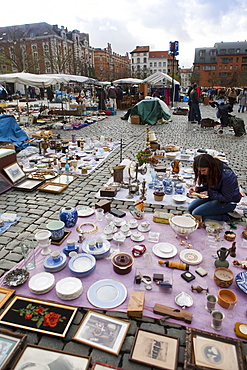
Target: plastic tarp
<point>128,81</point>
<point>151,110</point>
<point>11,132</point>
<point>157,77</point>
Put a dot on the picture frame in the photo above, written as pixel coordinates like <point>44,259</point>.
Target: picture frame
<point>206,351</point>
<point>103,332</point>
<point>42,357</point>
<point>102,366</point>
<point>5,294</point>
<point>10,344</point>
<point>64,179</point>
<point>37,315</point>
<point>155,350</point>
<point>14,172</point>
<point>28,184</point>
<point>5,184</point>
<point>52,187</point>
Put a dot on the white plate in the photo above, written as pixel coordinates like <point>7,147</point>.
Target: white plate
<point>191,256</point>
<point>107,293</point>
<point>160,247</point>
<point>68,286</point>
<point>184,300</point>
<point>43,281</point>
<point>137,239</point>
<point>179,198</point>
<point>84,211</point>
<point>188,170</point>
<point>82,262</point>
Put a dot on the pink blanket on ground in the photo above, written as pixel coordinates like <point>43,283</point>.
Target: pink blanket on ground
<point>166,296</point>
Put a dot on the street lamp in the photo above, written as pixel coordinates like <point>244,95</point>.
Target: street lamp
<point>173,51</point>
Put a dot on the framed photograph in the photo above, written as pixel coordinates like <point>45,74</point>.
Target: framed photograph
<point>37,315</point>
<point>14,172</point>
<point>35,357</point>
<point>52,187</point>
<point>5,295</point>
<point>28,184</point>
<point>10,344</point>
<point>5,184</point>
<point>102,366</point>
<point>102,331</point>
<point>206,351</point>
<point>155,350</point>
<point>64,179</point>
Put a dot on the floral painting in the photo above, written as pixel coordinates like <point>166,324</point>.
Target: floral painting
<point>38,315</point>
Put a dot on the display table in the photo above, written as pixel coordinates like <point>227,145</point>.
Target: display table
<point>151,110</point>
<point>165,296</point>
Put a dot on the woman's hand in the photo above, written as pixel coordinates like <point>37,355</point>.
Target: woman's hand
<point>192,190</point>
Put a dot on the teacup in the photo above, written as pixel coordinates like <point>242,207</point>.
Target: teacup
<point>145,225</point>
<point>71,244</point>
<point>55,256</point>
<point>125,229</point>
<point>56,228</point>
<point>109,217</point>
<point>91,245</point>
<point>118,221</point>
<point>132,222</point>
<point>136,235</point>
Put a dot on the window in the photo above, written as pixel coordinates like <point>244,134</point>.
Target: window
<point>164,70</point>
<point>164,64</point>
<point>138,60</point>
<point>151,64</point>
<point>226,60</point>
<point>224,74</point>
<point>202,53</point>
<point>237,60</point>
<point>138,67</point>
<point>238,51</point>
<point>209,68</point>
<point>212,53</point>
<point>144,60</point>
<point>231,51</point>
<point>212,60</point>
<point>155,70</point>
<point>222,51</point>
<point>244,66</point>
<point>225,67</point>
<point>230,67</point>
<point>236,67</point>
<point>155,64</point>
<point>197,68</point>
<point>160,64</point>
<point>244,59</point>
<point>220,68</point>
<point>144,66</point>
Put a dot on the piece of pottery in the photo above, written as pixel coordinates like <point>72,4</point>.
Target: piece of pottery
<point>222,254</point>
<point>159,196</point>
<point>56,228</point>
<point>227,298</point>
<point>69,216</point>
<point>183,225</point>
<point>223,277</point>
<point>122,263</point>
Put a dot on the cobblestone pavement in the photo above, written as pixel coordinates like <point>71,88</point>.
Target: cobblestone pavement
<point>37,209</point>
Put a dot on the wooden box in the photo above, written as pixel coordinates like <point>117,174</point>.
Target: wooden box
<point>136,304</point>
<point>135,119</point>
<point>7,157</point>
<point>104,204</point>
<point>109,191</point>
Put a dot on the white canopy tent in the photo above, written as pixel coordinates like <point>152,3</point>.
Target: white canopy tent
<point>157,77</point>
<point>128,81</point>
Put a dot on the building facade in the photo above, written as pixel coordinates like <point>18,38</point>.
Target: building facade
<point>186,76</point>
<point>145,62</point>
<point>224,64</point>
<point>43,48</point>
<point>110,66</point>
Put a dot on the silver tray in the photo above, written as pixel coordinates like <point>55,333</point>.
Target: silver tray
<point>16,277</point>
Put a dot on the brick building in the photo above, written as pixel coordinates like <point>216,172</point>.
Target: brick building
<point>110,66</point>
<point>224,64</point>
<point>43,48</point>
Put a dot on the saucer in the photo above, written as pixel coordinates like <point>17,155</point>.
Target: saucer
<point>164,250</point>
<point>67,250</point>
<point>143,229</point>
<point>127,234</point>
<point>123,222</point>
<point>133,226</point>
<point>139,238</point>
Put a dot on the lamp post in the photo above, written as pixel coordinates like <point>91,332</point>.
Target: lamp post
<point>173,51</point>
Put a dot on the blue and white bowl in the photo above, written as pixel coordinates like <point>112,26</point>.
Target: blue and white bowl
<point>56,228</point>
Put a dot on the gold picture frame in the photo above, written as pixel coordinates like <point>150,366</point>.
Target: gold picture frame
<point>37,315</point>
<point>52,187</point>
<point>209,351</point>
<point>102,331</point>
<point>155,350</point>
<point>42,357</point>
<point>5,294</point>
<point>10,344</point>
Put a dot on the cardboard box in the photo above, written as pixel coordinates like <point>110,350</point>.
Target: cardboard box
<point>6,145</point>
<point>135,119</point>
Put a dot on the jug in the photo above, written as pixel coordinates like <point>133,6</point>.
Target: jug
<point>175,166</point>
<point>222,253</point>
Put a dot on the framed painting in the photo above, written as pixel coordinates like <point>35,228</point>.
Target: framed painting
<point>14,172</point>
<point>5,295</point>
<point>102,366</point>
<point>5,184</point>
<point>35,357</point>
<point>64,179</point>
<point>28,184</point>
<point>52,187</point>
<point>155,350</point>
<point>206,351</point>
<point>10,344</point>
<point>102,331</point>
<point>37,315</point>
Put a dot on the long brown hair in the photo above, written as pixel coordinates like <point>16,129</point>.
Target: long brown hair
<point>214,170</point>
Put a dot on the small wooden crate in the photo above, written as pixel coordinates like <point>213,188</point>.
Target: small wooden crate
<point>135,119</point>
<point>136,304</point>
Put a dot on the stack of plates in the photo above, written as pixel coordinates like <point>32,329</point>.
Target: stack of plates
<point>53,266</point>
<point>82,264</point>
<point>67,249</point>
<point>164,250</point>
<point>41,283</point>
<point>98,253</point>
<point>69,288</point>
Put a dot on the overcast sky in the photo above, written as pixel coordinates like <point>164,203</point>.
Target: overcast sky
<point>128,23</point>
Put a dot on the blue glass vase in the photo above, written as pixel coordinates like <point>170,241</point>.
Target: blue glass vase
<point>69,216</point>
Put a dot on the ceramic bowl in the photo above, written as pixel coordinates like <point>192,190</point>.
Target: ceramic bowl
<point>43,237</point>
<point>227,298</point>
<point>223,277</point>
<point>122,263</point>
<point>244,233</point>
<point>56,228</point>
<point>230,236</point>
<point>183,225</point>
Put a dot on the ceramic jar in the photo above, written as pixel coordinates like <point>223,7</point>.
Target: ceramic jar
<point>69,216</point>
